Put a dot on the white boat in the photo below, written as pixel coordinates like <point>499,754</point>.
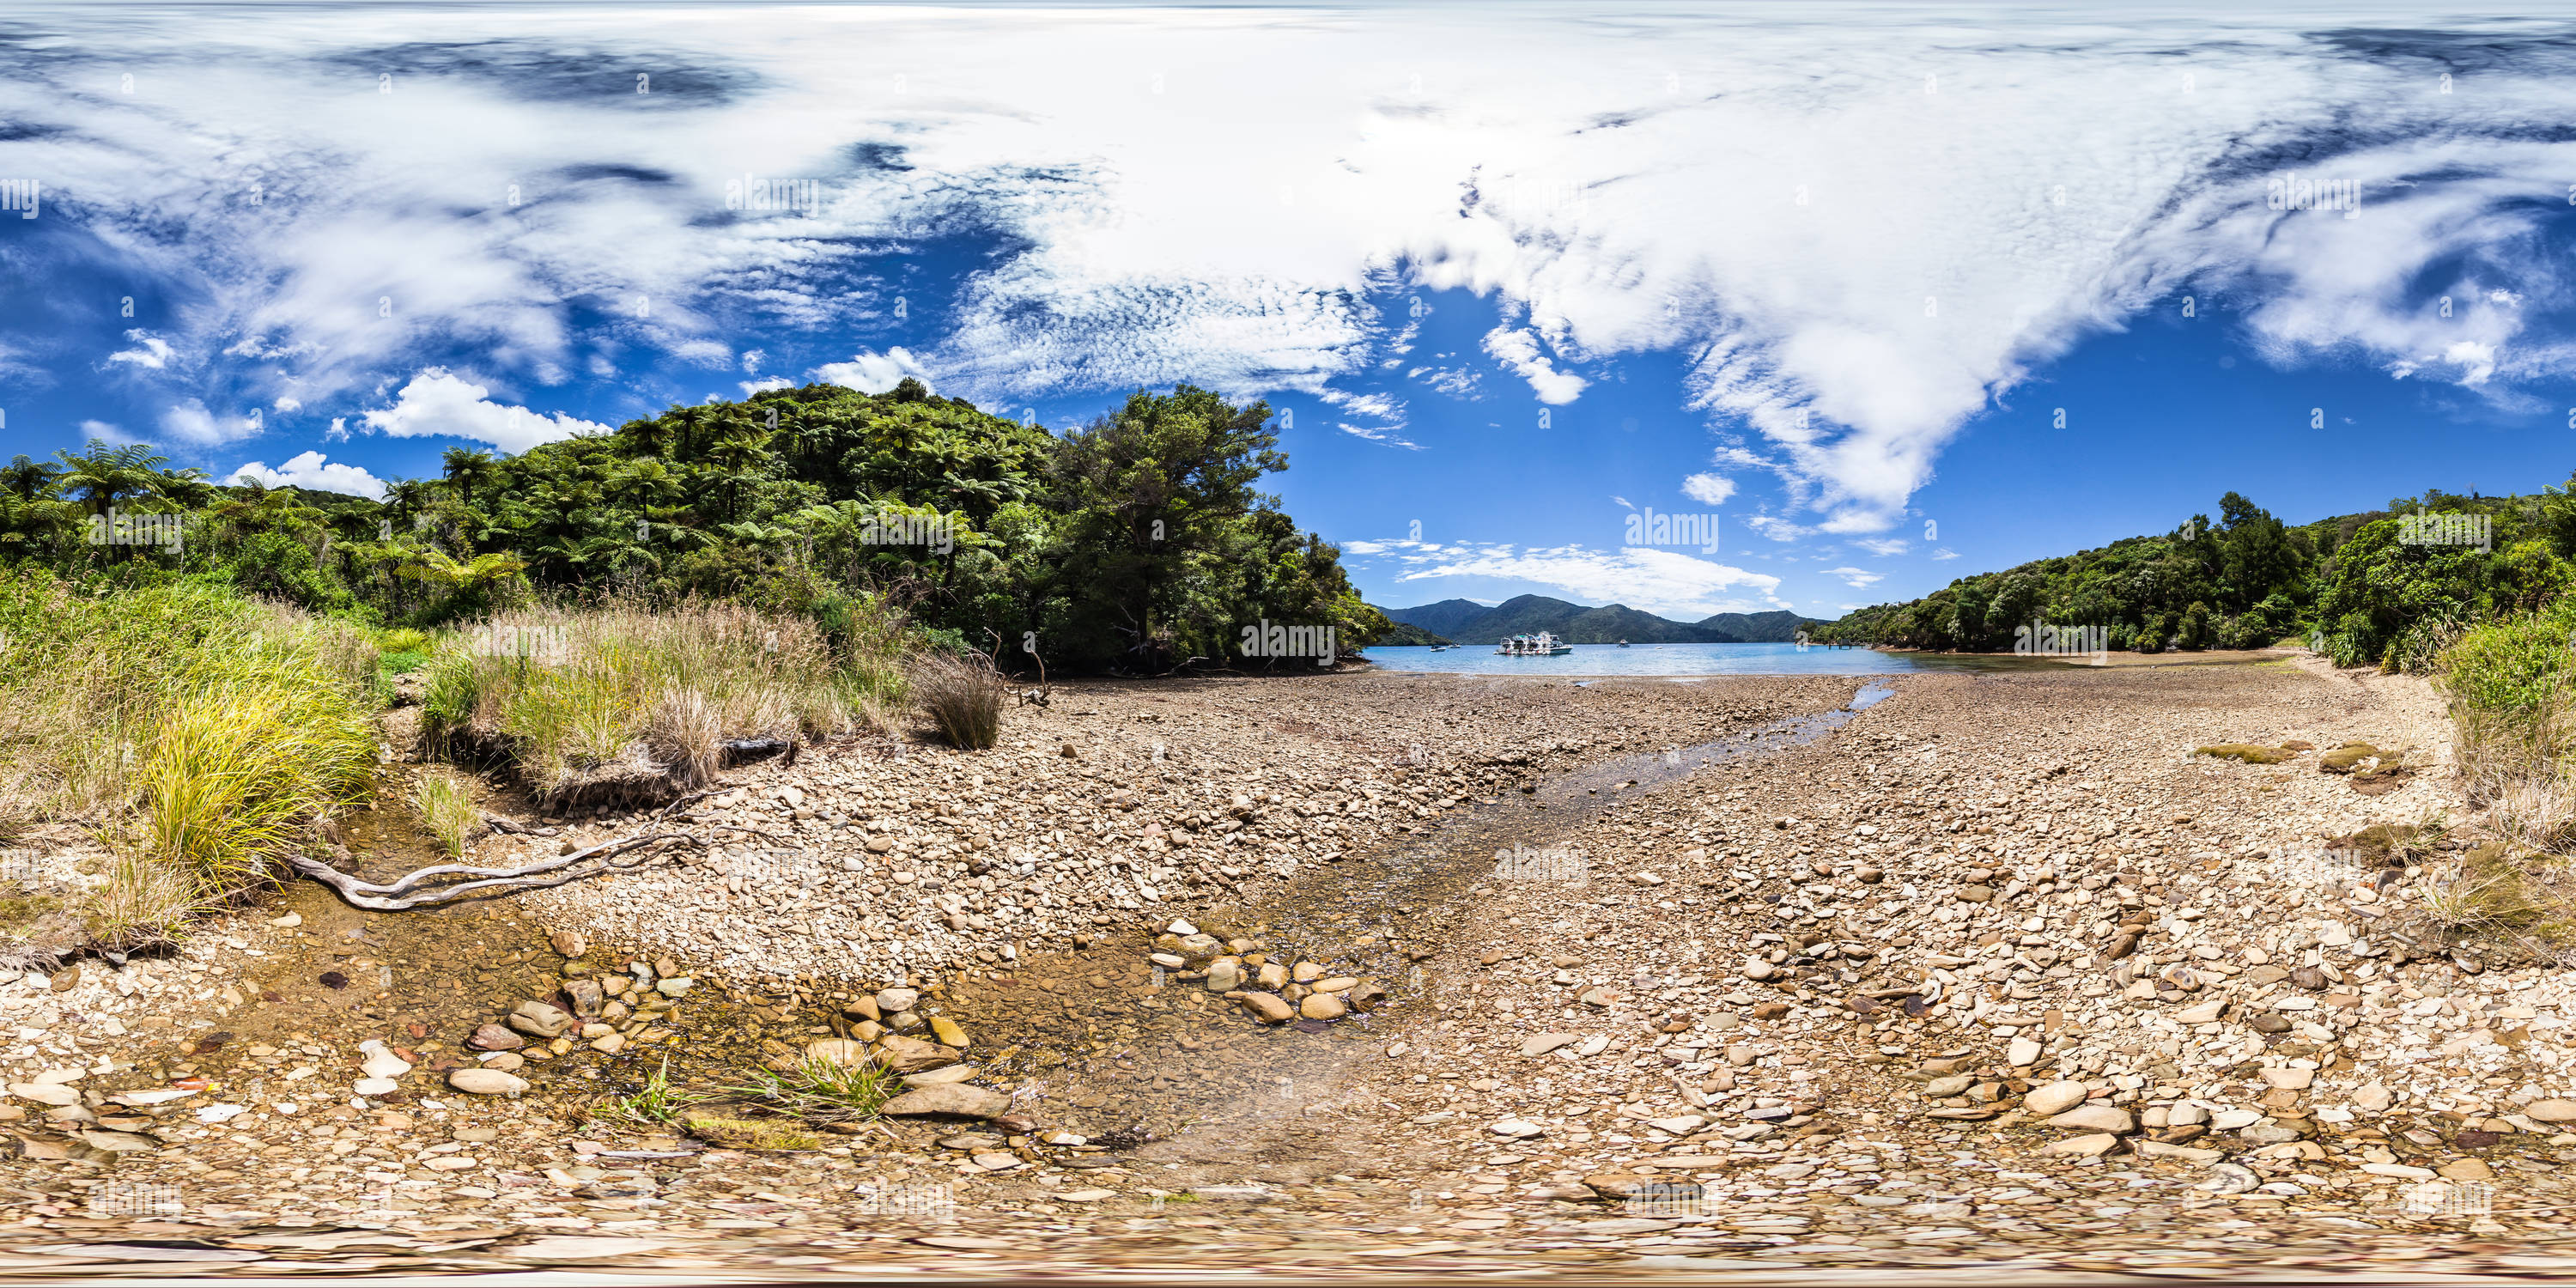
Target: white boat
<point>1541,644</point>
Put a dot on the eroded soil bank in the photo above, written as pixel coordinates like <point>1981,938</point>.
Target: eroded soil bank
<point>1991,970</point>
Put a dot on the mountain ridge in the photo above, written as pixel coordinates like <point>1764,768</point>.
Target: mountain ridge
<point>1469,622</point>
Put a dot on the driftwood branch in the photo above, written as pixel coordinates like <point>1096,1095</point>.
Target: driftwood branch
<point>396,896</point>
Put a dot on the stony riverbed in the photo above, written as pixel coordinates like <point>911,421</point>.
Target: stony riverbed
<point>1992,970</point>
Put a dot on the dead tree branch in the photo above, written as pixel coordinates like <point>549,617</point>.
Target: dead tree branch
<point>396,896</point>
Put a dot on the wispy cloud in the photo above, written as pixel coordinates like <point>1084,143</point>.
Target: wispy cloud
<point>1856,578</point>
<point>1883,545</point>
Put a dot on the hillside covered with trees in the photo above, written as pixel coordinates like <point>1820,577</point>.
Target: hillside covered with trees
<point>2387,586</point>
<point>1136,544</point>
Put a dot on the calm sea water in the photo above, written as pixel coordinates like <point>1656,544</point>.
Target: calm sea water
<point>1689,660</point>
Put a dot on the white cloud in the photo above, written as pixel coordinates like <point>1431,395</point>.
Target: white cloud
<point>750,387</point>
<point>1708,489</point>
<point>1377,434</point>
<point>191,422</point>
<point>290,405</point>
<point>103,429</point>
<point>438,403</point>
<point>150,351</point>
<point>1518,350</point>
<point>1944,553</point>
<point>873,373</point>
<point>1883,545</point>
<point>1774,527</point>
<point>1840,244</point>
<point>312,470</point>
<point>1856,578</point>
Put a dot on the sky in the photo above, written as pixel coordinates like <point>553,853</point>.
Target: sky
<point>1881,296</point>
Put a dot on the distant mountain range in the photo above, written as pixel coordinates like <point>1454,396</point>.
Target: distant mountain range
<point>1469,622</point>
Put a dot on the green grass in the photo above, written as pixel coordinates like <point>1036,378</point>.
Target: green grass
<point>657,1101</point>
<point>576,691</point>
<point>822,1091</point>
<point>203,734</point>
<point>446,806</point>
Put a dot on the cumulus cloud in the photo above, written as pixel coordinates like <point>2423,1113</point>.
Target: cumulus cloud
<point>1856,578</point>
<point>313,470</point>
<point>191,422</point>
<point>436,403</point>
<point>1708,489</point>
<point>873,373</point>
<point>750,387</point>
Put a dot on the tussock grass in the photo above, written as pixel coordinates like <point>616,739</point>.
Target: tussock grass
<point>962,697</point>
<point>822,1091</point>
<point>445,803</point>
<point>199,733</point>
<point>2250,753</point>
<point>626,700</point>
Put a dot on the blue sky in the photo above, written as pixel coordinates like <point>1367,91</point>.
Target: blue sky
<point>1827,272</point>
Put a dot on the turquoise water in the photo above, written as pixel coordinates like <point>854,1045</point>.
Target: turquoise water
<point>1690,659</point>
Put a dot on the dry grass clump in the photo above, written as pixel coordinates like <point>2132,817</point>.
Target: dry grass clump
<point>2250,753</point>
<point>2484,891</point>
<point>962,697</point>
<point>631,701</point>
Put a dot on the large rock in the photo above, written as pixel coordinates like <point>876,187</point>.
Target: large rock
<point>2290,1079</point>
<point>2092,1146</point>
<point>1365,995</point>
<point>486,1082</point>
<point>2053,1098</point>
<point>1270,1008</point>
<point>493,1037</point>
<point>45,1093</point>
<point>897,999</point>
<point>587,997</point>
<point>2551,1111</point>
<point>2095,1117</point>
<point>539,1019</point>
<point>838,1052</point>
<point>912,1055</point>
<point>1322,1006</point>
<point>955,1099</point>
<point>1225,976</point>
